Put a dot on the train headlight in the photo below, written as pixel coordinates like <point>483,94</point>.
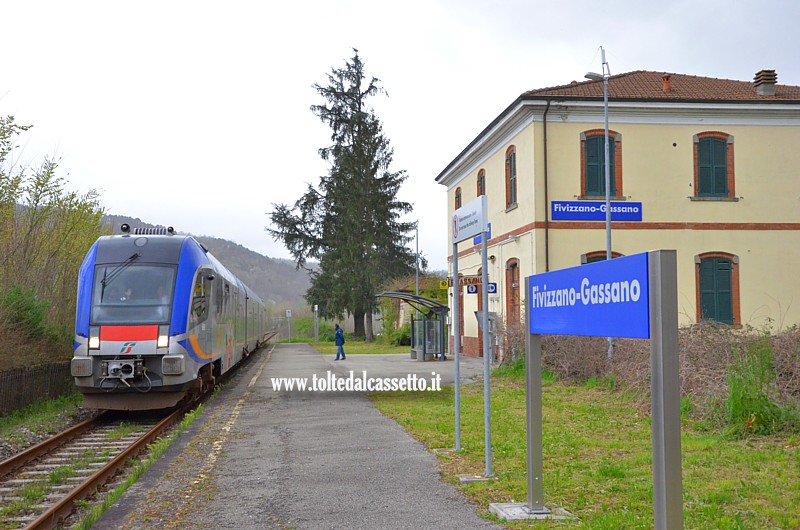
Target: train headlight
<point>94,338</point>
<point>163,337</point>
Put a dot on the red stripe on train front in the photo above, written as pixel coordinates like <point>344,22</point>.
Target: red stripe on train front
<point>129,332</point>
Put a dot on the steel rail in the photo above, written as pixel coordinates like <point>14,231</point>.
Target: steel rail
<point>15,462</point>
<point>52,517</point>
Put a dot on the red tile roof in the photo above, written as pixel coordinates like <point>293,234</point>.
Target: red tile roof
<point>643,85</point>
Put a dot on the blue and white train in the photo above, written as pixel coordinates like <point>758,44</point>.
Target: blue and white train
<point>158,320</point>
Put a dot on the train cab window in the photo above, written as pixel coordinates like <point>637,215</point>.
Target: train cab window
<point>129,293</point>
<point>201,293</point>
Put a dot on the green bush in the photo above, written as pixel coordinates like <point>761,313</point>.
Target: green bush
<point>326,332</point>
<point>303,328</point>
<point>25,313</point>
<point>750,407</point>
<point>512,368</point>
<point>402,337</point>
<point>389,317</point>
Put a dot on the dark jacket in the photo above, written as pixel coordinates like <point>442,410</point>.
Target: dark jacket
<point>339,338</point>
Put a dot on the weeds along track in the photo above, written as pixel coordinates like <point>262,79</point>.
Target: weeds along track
<point>43,485</point>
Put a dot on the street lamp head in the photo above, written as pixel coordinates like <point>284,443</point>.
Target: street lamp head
<point>593,76</point>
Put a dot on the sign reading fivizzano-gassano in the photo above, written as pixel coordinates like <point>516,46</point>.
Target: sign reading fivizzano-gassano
<point>470,219</point>
<point>605,299</point>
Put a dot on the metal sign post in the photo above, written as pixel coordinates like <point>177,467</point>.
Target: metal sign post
<point>468,221</point>
<point>634,296</point>
<point>533,417</point>
<point>665,390</point>
<point>456,347</point>
<point>487,407</point>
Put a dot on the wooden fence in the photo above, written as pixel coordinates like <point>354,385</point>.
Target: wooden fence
<point>23,386</point>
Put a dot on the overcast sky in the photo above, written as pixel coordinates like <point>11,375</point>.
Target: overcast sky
<point>196,114</point>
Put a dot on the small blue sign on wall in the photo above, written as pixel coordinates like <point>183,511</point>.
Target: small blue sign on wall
<point>477,239</point>
<point>594,211</point>
<point>473,289</point>
<point>603,299</point>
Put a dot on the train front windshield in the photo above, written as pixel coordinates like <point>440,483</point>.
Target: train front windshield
<point>132,294</point>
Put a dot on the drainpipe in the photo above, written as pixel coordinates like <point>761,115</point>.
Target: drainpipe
<point>546,197</point>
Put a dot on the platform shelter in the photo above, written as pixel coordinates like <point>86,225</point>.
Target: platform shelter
<point>428,325</point>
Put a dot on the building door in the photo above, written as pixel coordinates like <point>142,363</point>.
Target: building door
<point>716,290</point>
<point>512,292</point>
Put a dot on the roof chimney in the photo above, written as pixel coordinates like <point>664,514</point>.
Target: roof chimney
<point>764,82</point>
<point>665,83</point>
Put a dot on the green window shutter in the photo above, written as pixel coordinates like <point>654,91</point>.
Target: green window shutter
<point>708,306</point>
<point>612,170</point>
<point>724,284</point>
<point>704,168</point>
<point>720,150</point>
<point>512,178</point>
<point>716,292</point>
<point>595,166</point>
<point>712,167</point>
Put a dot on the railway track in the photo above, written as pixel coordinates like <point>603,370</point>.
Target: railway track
<point>41,486</point>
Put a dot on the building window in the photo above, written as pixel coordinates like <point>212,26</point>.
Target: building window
<point>717,278</point>
<point>713,165</point>
<point>511,177</point>
<point>597,255</point>
<point>458,198</point>
<point>512,292</point>
<point>481,182</point>
<point>593,169</point>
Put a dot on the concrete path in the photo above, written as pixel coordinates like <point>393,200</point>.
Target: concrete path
<point>291,459</point>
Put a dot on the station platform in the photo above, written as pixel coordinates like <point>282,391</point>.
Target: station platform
<point>259,458</point>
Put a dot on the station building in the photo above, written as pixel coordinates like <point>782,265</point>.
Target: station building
<point>709,167</point>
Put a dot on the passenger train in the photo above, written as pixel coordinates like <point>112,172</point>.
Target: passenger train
<point>158,320</point>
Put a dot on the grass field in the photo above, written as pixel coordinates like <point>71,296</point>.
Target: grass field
<point>597,457</point>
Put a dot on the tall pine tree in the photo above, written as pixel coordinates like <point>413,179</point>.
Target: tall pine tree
<point>351,221</point>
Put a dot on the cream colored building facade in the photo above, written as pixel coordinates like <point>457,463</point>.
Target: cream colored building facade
<point>713,167</point>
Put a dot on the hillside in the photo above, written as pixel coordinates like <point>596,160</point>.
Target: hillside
<point>275,280</point>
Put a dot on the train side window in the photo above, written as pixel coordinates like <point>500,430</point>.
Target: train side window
<point>227,296</point>
<point>218,300</point>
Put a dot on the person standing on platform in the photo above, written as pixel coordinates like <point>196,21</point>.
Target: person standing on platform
<point>339,340</point>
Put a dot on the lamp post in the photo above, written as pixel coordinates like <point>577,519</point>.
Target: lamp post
<point>597,77</point>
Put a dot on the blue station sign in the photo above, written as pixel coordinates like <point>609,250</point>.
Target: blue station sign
<point>594,211</point>
<point>477,239</point>
<point>605,299</point>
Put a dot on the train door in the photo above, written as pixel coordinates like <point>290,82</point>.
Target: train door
<point>237,319</point>
<point>247,325</point>
<point>228,323</point>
